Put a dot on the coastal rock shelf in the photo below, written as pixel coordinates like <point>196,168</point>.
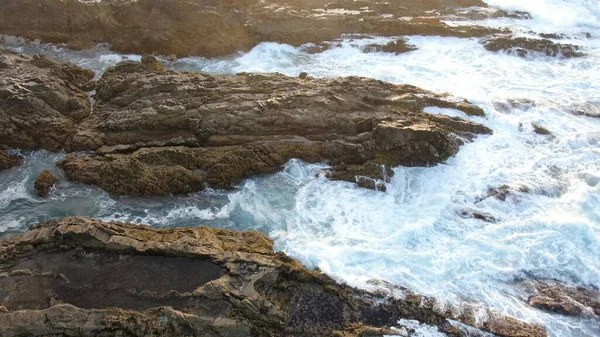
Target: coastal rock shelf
<point>215,28</point>
<point>158,132</point>
<point>77,276</point>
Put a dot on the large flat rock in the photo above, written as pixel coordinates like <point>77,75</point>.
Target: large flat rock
<point>82,277</point>
<point>216,28</point>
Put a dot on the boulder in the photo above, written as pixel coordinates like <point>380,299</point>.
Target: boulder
<point>157,132</point>
<point>41,100</point>
<point>541,130</point>
<point>44,182</point>
<point>77,276</point>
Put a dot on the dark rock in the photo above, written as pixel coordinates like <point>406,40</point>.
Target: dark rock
<point>7,161</point>
<point>475,214</point>
<point>44,182</point>
<point>540,130</point>
<point>503,192</point>
<point>555,36</point>
<point>522,47</point>
<point>398,46</point>
<point>84,277</point>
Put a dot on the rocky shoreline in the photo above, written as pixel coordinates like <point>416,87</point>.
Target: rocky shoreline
<point>83,277</point>
<point>208,28</point>
<point>157,132</point>
<point>143,129</point>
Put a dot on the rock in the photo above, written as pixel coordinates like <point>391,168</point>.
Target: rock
<point>41,100</point>
<point>469,213</point>
<point>216,28</point>
<point>303,75</point>
<point>77,276</point>
<point>587,109</point>
<point>398,46</point>
<point>503,192</point>
<point>522,46</point>
<point>44,182</point>
<point>161,132</point>
<point>540,130</point>
<point>7,161</point>
<point>561,298</point>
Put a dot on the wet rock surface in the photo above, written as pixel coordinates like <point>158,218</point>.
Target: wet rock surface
<point>77,276</point>
<point>44,182</point>
<point>7,161</point>
<point>562,298</point>
<point>157,132</point>
<point>398,46</point>
<point>523,47</point>
<point>41,100</point>
<point>215,28</point>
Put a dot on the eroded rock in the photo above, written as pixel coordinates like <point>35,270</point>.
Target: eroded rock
<point>7,161</point>
<point>159,132</point>
<point>562,298</point>
<point>398,46</point>
<point>523,47</point>
<point>44,182</point>
<point>41,100</point>
<point>215,28</point>
<point>91,278</point>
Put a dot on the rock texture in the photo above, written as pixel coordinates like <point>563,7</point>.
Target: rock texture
<point>156,131</point>
<point>563,299</point>
<point>44,182</point>
<point>7,161</point>
<point>523,47</point>
<point>216,28</point>
<point>41,100</point>
<point>80,277</point>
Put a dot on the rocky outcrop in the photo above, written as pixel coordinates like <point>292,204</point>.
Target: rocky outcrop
<point>541,130</point>
<point>562,298</point>
<point>7,161</point>
<point>77,276</point>
<point>41,100</point>
<point>215,28</point>
<point>523,47</point>
<point>44,182</point>
<point>159,132</point>
<point>397,46</point>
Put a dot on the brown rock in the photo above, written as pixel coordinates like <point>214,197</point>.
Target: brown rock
<point>564,299</point>
<point>215,28</point>
<point>41,100</point>
<point>84,277</point>
<point>7,161</point>
<point>159,132</point>
<point>44,182</point>
<point>524,46</point>
<point>540,130</point>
